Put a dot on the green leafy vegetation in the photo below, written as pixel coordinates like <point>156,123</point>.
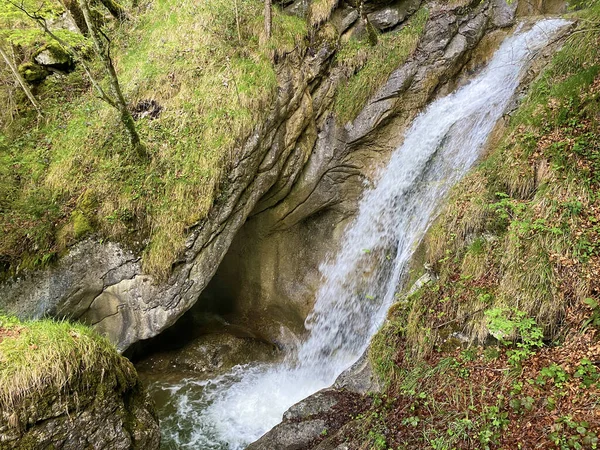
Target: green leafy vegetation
<point>502,350</point>
<point>515,325</point>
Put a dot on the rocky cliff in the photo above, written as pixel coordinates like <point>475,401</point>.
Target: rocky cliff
<point>292,189</point>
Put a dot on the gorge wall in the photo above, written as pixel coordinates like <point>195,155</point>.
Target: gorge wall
<point>287,198</point>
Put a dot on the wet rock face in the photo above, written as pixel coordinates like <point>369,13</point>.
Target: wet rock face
<point>287,199</point>
<point>112,420</point>
<point>208,356</point>
<point>318,421</point>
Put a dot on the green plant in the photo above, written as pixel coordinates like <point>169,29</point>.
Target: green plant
<point>509,325</point>
<point>47,359</point>
<point>570,434</point>
<point>493,421</point>
<point>378,440</point>
<point>594,319</point>
<point>587,372</point>
<point>413,421</point>
<point>555,373</point>
<point>520,404</point>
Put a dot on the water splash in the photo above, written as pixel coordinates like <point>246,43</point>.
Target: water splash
<point>360,283</point>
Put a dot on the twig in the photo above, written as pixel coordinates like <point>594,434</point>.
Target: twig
<point>41,21</point>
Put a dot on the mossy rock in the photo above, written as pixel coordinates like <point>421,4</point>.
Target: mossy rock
<point>33,73</point>
<point>81,224</point>
<point>82,218</point>
<point>55,56</point>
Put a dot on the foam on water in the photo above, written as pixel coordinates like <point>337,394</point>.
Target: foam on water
<point>361,281</point>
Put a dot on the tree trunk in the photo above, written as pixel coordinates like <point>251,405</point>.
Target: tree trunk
<point>21,81</point>
<point>369,28</point>
<point>237,20</point>
<point>117,11</point>
<point>120,103</point>
<point>268,19</point>
<point>73,8</point>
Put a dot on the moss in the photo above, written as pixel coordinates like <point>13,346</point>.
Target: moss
<point>33,73</point>
<point>58,53</point>
<point>43,360</point>
<point>81,225</point>
<point>214,86</point>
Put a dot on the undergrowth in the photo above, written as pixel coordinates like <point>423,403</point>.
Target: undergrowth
<point>502,350</point>
<point>70,173</point>
<point>371,66</point>
<point>208,79</point>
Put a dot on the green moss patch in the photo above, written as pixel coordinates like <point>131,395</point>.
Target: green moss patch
<point>33,73</point>
<point>43,360</point>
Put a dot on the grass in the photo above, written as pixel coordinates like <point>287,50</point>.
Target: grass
<point>320,11</point>
<point>213,85</point>
<point>40,360</point>
<point>71,174</point>
<point>520,228</point>
<point>371,66</point>
<point>515,248</point>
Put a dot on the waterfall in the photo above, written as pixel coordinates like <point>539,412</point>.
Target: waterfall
<point>360,282</point>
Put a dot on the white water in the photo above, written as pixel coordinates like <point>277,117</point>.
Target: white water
<point>360,283</point>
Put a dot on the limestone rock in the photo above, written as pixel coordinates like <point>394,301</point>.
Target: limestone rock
<point>359,378</point>
<point>319,403</point>
<point>389,17</point>
<point>290,193</point>
<point>290,436</point>
<point>115,413</point>
<point>504,13</point>
<point>54,56</point>
<point>209,355</point>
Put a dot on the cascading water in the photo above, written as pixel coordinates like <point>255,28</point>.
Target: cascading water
<point>360,283</point>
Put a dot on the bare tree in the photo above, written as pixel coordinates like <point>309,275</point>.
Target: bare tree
<point>102,48</point>
<point>237,20</point>
<point>268,19</point>
<point>20,80</point>
<point>369,28</point>
<point>72,6</point>
<point>103,51</point>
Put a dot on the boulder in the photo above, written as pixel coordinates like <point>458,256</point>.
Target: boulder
<point>125,421</point>
<point>209,356</point>
<point>53,56</point>
<point>291,436</point>
<point>33,73</point>
<point>391,16</point>
<point>69,389</point>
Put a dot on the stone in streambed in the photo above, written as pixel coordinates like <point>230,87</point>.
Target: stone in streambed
<point>209,356</point>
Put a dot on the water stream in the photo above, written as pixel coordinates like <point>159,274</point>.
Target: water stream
<point>360,282</point>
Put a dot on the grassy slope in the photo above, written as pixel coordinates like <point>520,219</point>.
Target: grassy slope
<point>517,250</point>
<point>44,359</point>
<point>72,173</point>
